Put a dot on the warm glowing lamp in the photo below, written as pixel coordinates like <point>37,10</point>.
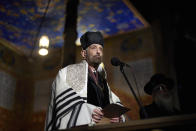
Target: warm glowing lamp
<point>43,51</point>
<point>43,45</point>
<point>44,41</point>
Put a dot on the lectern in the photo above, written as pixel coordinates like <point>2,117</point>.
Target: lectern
<point>175,123</point>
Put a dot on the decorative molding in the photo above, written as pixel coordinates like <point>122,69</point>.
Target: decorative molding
<point>11,46</point>
<point>132,8</point>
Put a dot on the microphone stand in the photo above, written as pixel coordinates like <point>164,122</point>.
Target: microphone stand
<point>139,103</point>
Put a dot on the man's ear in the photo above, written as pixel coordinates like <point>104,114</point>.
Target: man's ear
<point>83,54</point>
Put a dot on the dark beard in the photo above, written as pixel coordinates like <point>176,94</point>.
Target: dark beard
<point>95,61</point>
<point>166,103</point>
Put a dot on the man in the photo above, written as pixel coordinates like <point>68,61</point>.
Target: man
<point>80,91</point>
<point>160,87</point>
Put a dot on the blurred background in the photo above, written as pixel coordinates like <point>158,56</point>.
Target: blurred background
<point>152,36</point>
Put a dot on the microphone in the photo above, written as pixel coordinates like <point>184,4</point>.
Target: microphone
<point>116,62</point>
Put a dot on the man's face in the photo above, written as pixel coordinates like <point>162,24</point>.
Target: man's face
<point>94,54</point>
<point>162,90</point>
<point>163,97</point>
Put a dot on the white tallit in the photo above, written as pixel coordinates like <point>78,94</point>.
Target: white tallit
<point>68,105</point>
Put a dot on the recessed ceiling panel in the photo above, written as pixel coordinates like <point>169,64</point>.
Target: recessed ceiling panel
<point>20,21</point>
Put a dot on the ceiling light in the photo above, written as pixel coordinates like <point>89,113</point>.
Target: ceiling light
<point>43,45</point>
<point>43,51</point>
<point>44,41</point>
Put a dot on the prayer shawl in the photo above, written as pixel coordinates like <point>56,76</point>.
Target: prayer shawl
<point>68,105</point>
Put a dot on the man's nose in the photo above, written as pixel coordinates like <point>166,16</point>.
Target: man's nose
<point>98,51</point>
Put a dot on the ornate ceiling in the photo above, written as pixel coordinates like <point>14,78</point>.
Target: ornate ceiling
<point>20,21</point>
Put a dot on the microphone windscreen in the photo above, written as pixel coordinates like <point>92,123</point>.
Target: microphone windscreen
<point>115,61</point>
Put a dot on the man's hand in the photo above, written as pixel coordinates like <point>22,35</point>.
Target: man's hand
<point>116,120</point>
<point>97,115</point>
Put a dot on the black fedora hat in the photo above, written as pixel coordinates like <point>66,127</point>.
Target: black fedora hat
<point>90,37</point>
<point>156,80</point>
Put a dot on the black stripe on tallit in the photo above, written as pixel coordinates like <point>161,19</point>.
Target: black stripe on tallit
<point>53,116</point>
<point>119,103</point>
<point>64,92</point>
<point>50,123</point>
<point>77,113</point>
<point>59,122</point>
<point>74,116</point>
<point>84,98</point>
<point>73,93</point>
<point>67,103</point>
<point>65,111</point>
<point>55,105</point>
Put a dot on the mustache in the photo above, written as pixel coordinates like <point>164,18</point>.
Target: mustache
<point>97,55</point>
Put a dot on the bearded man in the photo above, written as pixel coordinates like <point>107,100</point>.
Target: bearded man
<point>80,91</point>
<point>160,87</point>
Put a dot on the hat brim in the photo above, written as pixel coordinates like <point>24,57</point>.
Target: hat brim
<point>148,88</point>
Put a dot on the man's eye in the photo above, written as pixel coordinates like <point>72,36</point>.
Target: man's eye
<point>101,49</point>
<point>93,47</point>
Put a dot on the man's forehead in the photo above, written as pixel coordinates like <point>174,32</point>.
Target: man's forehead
<point>94,44</point>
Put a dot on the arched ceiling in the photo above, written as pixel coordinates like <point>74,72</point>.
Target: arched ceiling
<point>20,21</point>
